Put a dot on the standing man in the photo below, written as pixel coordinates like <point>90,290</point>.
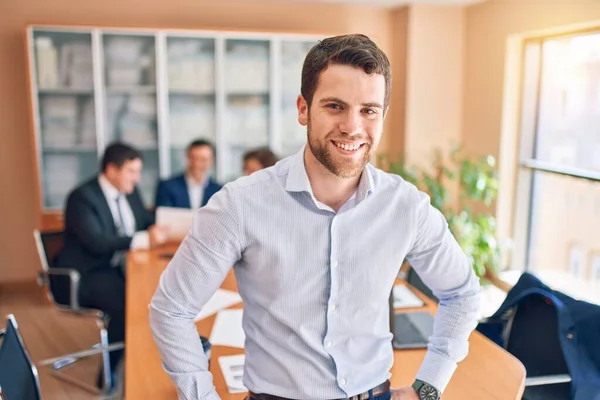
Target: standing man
<point>316,243</point>
<point>194,188</point>
<point>104,218</point>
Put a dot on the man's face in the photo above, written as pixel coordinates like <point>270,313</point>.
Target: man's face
<point>252,165</point>
<point>126,177</point>
<point>345,120</point>
<point>200,160</point>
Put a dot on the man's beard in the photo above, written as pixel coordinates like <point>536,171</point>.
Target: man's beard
<point>343,168</point>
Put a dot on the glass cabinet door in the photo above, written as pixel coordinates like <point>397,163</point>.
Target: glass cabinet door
<point>131,103</point>
<point>67,123</point>
<point>246,114</point>
<point>191,88</point>
<point>293,135</point>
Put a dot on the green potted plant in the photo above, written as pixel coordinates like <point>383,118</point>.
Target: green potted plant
<point>468,219</point>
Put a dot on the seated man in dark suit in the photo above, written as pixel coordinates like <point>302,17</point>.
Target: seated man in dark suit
<point>104,218</point>
<point>194,188</point>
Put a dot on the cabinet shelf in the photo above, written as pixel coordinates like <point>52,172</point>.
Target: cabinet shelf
<point>157,90</point>
<point>66,149</point>
<point>183,92</point>
<point>131,89</point>
<point>66,91</point>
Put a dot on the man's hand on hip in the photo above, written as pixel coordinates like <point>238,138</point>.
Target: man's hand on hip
<point>405,393</point>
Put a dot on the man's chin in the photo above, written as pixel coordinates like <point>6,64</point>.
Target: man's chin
<point>347,172</point>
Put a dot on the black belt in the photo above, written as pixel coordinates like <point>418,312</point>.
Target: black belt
<point>376,391</point>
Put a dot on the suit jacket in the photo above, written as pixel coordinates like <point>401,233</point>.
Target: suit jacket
<point>90,237</point>
<point>174,192</point>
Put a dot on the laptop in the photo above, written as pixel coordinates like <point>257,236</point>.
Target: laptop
<point>410,330</point>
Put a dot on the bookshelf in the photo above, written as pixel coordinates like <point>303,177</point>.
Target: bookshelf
<point>157,89</point>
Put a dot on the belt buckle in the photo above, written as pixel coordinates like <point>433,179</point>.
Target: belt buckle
<point>362,396</point>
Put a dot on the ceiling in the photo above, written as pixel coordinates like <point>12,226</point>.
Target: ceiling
<point>389,3</point>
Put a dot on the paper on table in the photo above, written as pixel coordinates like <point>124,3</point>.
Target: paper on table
<point>227,330</point>
<point>233,371</point>
<point>404,298</point>
<point>179,221</point>
<point>219,301</point>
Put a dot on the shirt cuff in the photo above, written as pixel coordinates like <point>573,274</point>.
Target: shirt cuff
<point>436,370</point>
<point>193,386</point>
<point>140,241</point>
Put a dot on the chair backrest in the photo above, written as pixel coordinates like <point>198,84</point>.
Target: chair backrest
<point>534,339</point>
<point>18,375</point>
<point>48,245</point>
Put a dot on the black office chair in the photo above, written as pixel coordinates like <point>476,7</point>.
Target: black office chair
<point>529,338</point>
<point>527,326</point>
<point>62,286</point>
<point>18,376</point>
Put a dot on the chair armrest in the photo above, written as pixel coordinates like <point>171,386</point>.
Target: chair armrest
<point>84,353</point>
<point>74,278</point>
<point>547,380</point>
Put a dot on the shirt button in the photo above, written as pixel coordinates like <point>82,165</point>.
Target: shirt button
<point>332,307</point>
<point>342,381</point>
<point>334,263</point>
<point>329,344</point>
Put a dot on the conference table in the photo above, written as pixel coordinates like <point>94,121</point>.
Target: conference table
<point>488,372</point>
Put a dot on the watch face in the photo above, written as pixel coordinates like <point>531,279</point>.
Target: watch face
<point>428,392</point>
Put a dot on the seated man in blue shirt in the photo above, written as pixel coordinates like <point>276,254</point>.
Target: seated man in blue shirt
<point>194,188</point>
<point>316,243</point>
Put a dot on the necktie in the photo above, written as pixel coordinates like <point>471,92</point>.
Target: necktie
<point>119,258</point>
<point>121,222</point>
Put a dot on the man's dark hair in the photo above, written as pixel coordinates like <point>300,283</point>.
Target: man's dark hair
<point>354,50</point>
<point>118,153</point>
<point>264,156</point>
<point>201,143</point>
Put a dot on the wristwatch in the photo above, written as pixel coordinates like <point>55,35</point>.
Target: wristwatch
<point>426,391</point>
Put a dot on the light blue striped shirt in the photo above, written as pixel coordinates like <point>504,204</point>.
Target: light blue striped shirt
<point>315,284</point>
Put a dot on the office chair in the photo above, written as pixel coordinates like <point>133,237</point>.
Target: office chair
<point>538,348</point>
<point>18,376</point>
<point>528,326</point>
<point>62,290</point>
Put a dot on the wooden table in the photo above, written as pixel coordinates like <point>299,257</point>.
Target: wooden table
<point>488,372</point>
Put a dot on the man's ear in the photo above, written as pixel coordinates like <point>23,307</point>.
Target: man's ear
<point>302,110</point>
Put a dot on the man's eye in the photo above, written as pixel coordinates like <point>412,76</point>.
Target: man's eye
<point>335,106</point>
<point>370,111</point>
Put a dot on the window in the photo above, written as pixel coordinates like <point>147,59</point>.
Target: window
<point>558,193</point>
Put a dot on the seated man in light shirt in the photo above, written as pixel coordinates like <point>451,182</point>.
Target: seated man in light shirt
<point>104,218</point>
<point>195,187</point>
<point>316,243</point>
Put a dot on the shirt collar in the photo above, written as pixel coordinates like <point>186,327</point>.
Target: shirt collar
<point>108,189</point>
<point>297,179</point>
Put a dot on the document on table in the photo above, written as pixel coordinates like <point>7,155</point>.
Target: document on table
<point>227,330</point>
<point>233,372</point>
<point>221,300</point>
<point>178,221</point>
<point>405,298</point>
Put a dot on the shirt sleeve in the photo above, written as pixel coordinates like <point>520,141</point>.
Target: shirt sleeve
<point>194,274</point>
<point>444,267</point>
<point>140,241</point>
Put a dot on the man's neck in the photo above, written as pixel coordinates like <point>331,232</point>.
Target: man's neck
<point>196,179</point>
<point>328,188</point>
<point>110,183</point>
